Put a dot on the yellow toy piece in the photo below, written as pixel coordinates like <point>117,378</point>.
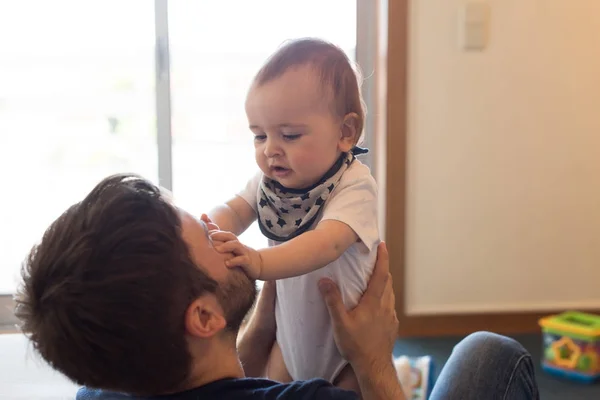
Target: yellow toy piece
<point>572,353</point>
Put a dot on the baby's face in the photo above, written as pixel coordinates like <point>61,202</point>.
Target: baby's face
<point>297,137</point>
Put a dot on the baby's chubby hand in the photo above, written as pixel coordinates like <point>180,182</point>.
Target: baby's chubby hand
<point>245,257</point>
<point>211,226</point>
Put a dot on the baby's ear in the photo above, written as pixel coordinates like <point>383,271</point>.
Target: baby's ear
<point>350,132</point>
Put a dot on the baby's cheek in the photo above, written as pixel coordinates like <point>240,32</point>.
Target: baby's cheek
<point>261,161</point>
<point>307,159</point>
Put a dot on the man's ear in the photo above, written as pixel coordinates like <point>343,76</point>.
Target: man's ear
<point>350,132</point>
<point>204,317</point>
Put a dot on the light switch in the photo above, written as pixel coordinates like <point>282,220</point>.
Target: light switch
<point>474,21</point>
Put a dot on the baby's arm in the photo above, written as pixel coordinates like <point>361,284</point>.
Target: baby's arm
<point>234,216</point>
<point>239,213</point>
<point>306,253</point>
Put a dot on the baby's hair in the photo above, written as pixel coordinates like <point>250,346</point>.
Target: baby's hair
<point>335,70</point>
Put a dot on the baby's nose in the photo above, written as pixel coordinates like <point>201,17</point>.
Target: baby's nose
<point>272,149</point>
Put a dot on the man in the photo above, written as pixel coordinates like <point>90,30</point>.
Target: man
<point>126,294</point>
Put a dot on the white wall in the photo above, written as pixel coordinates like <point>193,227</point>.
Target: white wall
<point>504,159</point>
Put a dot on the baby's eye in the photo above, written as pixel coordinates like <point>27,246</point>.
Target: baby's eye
<point>260,137</point>
<point>291,136</point>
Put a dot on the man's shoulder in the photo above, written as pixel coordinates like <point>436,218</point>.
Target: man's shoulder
<point>240,389</point>
<point>317,389</point>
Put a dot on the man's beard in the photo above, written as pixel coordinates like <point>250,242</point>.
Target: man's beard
<point>236,296</point>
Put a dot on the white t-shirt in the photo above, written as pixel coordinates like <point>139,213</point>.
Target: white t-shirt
<point>304,328</point>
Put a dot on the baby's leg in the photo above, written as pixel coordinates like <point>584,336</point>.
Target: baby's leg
<point>347,380</point>
<point>276,369</point>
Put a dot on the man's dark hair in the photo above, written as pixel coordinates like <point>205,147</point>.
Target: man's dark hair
<point>105,292</point>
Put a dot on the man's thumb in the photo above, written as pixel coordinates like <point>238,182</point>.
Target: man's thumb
<point>333,300</point>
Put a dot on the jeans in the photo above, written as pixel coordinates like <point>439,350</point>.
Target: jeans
<point>486,366</point>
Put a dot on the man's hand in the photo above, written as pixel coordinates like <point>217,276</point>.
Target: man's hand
<point>244,256</point>
<point>366,334</point>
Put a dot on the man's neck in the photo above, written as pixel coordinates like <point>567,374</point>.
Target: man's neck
<point>221,363</point>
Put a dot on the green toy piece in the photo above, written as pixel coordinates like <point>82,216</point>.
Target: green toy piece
<point>585,363</point>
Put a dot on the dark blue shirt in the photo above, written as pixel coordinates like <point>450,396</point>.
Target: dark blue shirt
<point>242,389</point>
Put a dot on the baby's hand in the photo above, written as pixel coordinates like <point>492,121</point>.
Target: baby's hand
<point>209,224</point>
<point>214,228</point>
<point>244,256</point>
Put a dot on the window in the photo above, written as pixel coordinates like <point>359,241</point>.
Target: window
<point>92,88</point>
<point>213,60</point>
<point>76,104</point>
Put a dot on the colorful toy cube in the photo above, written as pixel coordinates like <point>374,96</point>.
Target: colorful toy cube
<point>572,345</point>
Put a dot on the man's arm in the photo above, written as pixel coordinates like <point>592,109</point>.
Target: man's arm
<point>234,216</point>
<point>256,340</point>
<point>379,381</point>
<point>365,335</point>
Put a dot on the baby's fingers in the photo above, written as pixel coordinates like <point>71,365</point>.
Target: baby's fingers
<point>232,246</point>
<point>242,261</point>
<point>222,236</point>
<point>245,264</point>
<point>211,225</point>
<point>216,244</point>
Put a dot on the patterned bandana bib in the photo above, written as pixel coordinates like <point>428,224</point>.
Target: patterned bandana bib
<point>285,213</point>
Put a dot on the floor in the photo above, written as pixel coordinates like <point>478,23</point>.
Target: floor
<point>24,376</point>
<point>551,388</point>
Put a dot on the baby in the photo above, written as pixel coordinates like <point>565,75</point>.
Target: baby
<point>314,201</point>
